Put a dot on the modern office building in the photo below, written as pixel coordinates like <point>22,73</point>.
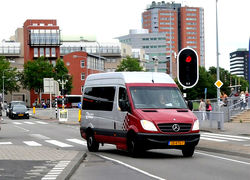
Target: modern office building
<point>239,63</point>
<point>170,28</point>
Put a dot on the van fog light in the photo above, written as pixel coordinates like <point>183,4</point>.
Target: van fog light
<point>196,125</point>
<point>148,125</point>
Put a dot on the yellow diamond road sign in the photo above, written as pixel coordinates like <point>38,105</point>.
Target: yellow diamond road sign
<point>218,84</point>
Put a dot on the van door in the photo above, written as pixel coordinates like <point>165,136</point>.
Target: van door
<point>123,107</point>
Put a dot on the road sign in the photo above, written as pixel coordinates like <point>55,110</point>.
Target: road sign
<point>218,83</point>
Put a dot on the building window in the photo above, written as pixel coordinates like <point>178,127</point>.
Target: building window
<point>41,52</point>
<point>47,52</point>
<point>53,52</point>
<point>82,63</point>
<point>35,52</point>
<point>82,89</point>
<point>82,76</point>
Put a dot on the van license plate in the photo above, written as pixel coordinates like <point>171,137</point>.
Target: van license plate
<point>20,114</point>
<point>176,143</point>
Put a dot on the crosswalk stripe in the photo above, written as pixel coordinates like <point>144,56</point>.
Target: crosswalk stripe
<point>27,122</point>
<point>212,139</point>
<point>17,123</point>
<point>40,122</point>
<point>78,141</point>
<point>31,143</point>
<point>58,143</point>
<point>224,138</point>
<point>5,143</point>
<point>225,135</point>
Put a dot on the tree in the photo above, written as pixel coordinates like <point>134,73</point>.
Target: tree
<point>61,73</point>
<point>129,64</point>
<point>10,76</point>
<point>34,72</point>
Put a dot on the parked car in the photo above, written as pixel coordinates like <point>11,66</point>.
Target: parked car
<point>19,111</point>
<point>11,104</point>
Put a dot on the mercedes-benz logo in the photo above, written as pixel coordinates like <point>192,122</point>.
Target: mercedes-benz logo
<point>176,127</point>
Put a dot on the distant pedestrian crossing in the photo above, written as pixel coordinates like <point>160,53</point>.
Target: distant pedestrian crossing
<point>64,144</point>
<point>67,143</point>
<point>29,122</point>
<point>223,137</point>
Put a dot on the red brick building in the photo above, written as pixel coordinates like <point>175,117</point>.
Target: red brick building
<point>81,64</point>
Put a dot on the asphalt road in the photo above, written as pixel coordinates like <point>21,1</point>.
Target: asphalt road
<point>44,149</point>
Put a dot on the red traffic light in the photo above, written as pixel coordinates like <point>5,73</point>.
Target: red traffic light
<point>188,59</point>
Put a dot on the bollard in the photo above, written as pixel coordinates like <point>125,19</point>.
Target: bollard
<point>79,115</point>
<point>34,110</point>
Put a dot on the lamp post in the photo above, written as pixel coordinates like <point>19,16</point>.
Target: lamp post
<point>217,56</point>
<point>3,86</point>
<point>63,82</point>
<point>156,61</point>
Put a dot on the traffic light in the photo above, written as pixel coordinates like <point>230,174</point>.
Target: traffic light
<point>187,68</point>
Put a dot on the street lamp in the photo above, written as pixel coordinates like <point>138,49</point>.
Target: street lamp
<point>217,55</point>
<point>3,86</point>
<point>63,82</point>
<point>156,61</point>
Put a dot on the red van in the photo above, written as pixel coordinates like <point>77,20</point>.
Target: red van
<point>137,111</point>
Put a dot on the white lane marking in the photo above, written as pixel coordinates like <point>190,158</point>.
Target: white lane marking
<point>39,136</point>
<point>218,137</point>
<point>78,141</point>
<point>31,143</point>
<point>226,135</point>
<point>131,167</point>
<point>23,128</point>
<point>27,122</point>
<point>247,145</point>
<point>211,139</point>
<point>53,173</point>
<point>41,122</point>
<point>5,143</point>
<point>58,143</point>
<point>16,123</point>
<point>227,159</point>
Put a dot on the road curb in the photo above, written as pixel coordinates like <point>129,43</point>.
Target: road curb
<point>231,153</point>
<point>72,166</point>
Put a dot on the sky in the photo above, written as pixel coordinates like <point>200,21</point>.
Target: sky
<point>108,19</point>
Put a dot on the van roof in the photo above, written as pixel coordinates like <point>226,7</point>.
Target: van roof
<point>128,77</point>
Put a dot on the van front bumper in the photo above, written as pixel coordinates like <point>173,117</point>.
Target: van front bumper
<point>162,141</point>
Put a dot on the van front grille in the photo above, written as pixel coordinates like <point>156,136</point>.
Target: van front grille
<point>171,127</point>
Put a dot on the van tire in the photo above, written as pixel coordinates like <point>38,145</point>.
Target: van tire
<point>93,146</point>
<point>132,145</point>
<point>188,152</point>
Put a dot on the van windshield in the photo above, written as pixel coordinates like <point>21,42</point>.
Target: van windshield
<point>145,97</point>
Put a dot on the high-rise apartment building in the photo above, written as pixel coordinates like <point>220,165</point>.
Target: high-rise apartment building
<point>239,63</point>
<point>182,27</point>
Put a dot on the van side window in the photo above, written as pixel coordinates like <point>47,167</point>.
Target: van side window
<point>98,98</point>
<point>123,100</point>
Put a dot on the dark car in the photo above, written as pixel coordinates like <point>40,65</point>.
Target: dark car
<point>19,111</point>
<point>11,104</point>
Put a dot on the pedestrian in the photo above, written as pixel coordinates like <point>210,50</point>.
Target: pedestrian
<point>202,108</point>
<point>190,105</point>
<point>247,96</point>
<point>242,100</point>
<point>208,108</point>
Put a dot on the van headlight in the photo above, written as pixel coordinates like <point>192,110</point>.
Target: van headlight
<point>196,125</point>
<point>148,125</point>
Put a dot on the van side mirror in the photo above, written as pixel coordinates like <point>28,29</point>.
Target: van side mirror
<point>124,105</point>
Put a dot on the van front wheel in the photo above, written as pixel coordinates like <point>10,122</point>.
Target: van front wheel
<point>188,152</point>
<point>133,148</point>
<point>93,146</point>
